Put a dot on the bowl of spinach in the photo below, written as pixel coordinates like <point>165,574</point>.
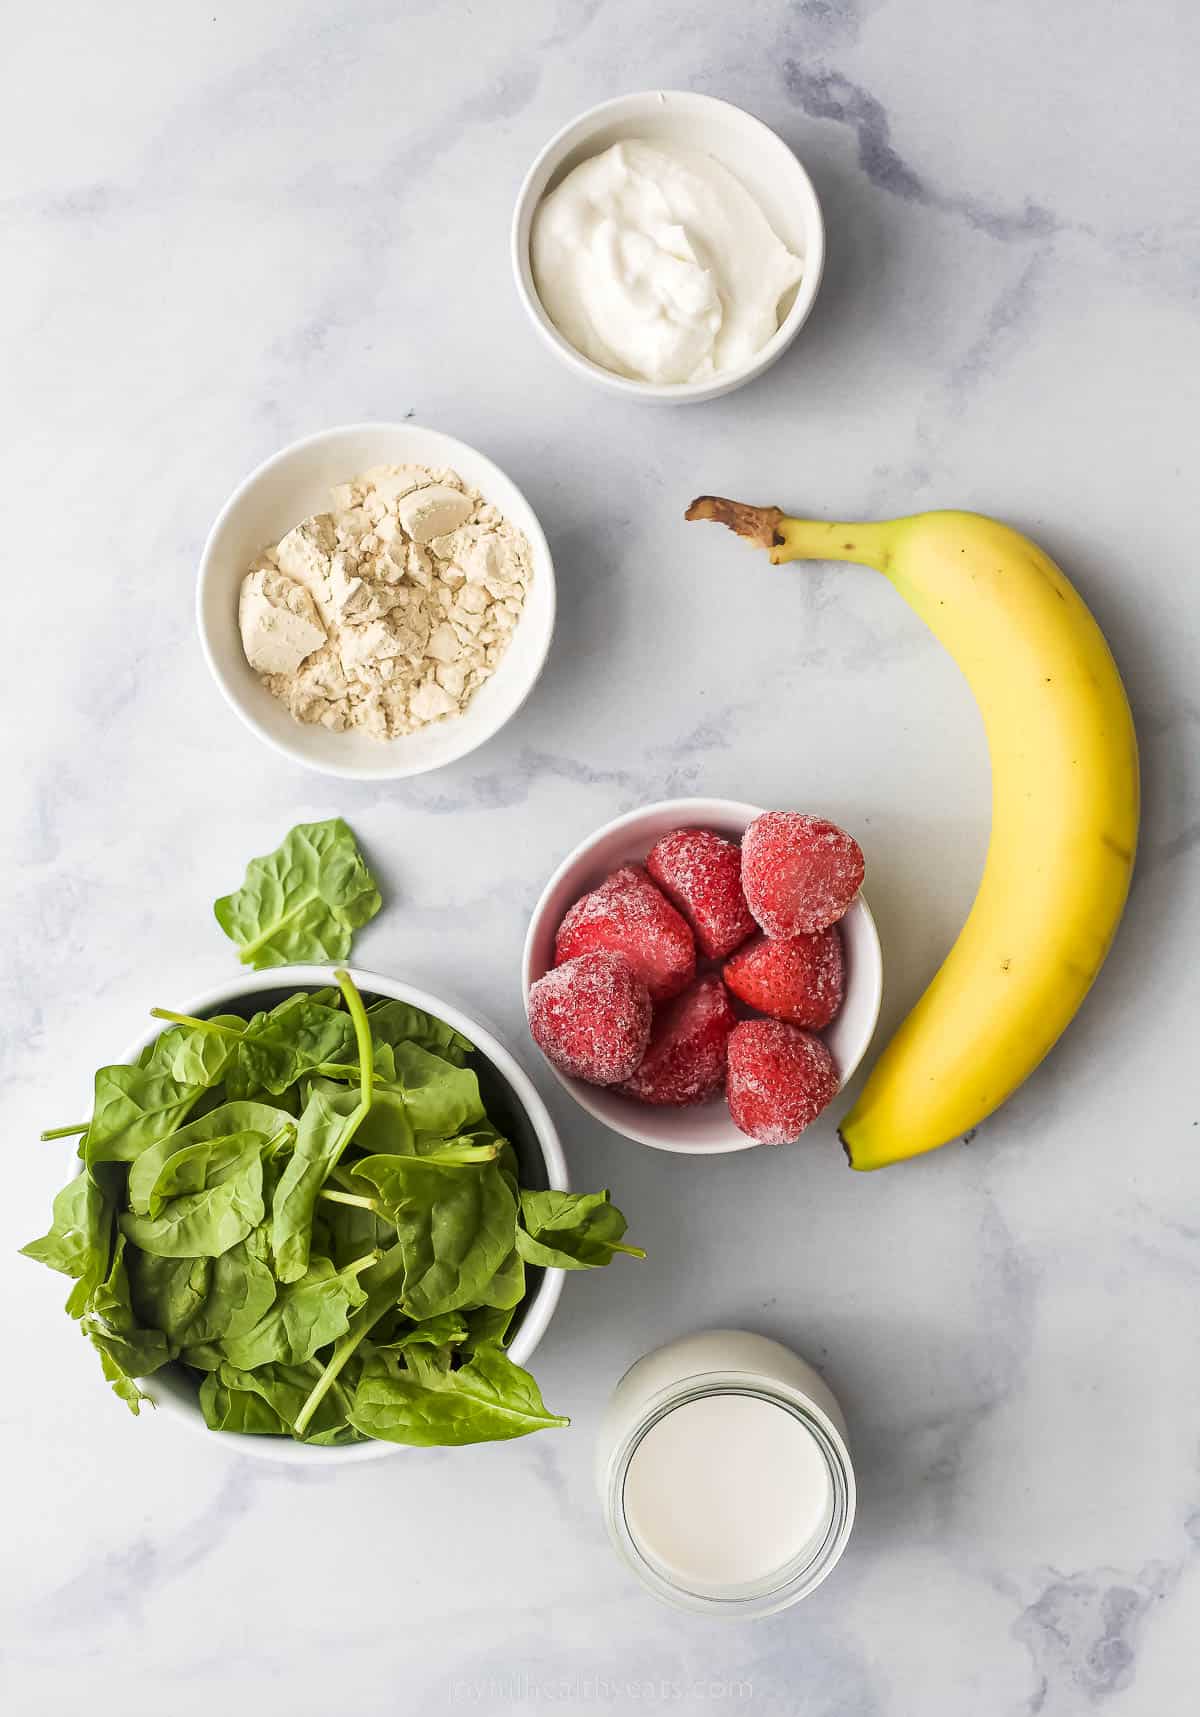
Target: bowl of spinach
<point>327,1212</point>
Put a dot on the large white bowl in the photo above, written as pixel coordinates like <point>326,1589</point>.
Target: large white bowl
<point>293,485</point>
<point>173,1390</point>
<point>708,1128</point>
<point>752,152</point>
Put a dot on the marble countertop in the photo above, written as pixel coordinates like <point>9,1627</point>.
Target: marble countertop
<point>227,226</point>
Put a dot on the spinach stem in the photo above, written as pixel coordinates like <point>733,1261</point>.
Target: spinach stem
<point>363,1263</point>
<point>362,1036</point>
<point>209,1025</point>
<point>65,1132</point>
<point>343,1350</point>
<point>349,1198</point>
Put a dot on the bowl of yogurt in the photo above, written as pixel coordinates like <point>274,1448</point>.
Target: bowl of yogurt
<point>667,246</point>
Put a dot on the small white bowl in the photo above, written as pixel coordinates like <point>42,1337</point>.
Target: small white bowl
<point>708,1128</point>
<point>293,485</point>
<point>752,152</point>
<point>172,1390</point>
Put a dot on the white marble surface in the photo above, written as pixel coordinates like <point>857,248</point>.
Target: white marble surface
<point>227,225</point>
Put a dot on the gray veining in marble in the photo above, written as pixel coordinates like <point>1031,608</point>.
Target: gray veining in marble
<point>228,225</point>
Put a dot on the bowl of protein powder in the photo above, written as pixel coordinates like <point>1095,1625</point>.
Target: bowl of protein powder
<point>376,601</point>
<point>667,246</point>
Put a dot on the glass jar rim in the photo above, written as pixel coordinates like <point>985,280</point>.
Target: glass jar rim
<point>782,1586</point>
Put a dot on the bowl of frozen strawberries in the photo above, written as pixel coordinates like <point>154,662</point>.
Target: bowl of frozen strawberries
<point>703,975</point>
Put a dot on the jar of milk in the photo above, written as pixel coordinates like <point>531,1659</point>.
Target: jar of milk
<point>724,1474</point>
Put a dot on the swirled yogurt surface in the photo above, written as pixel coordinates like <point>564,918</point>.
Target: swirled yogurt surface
<point>658,264</point>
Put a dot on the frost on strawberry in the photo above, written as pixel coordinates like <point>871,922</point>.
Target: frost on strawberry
<point>801,980</point>
<point>591,1017</point>
<point>778,1081</point>
<point>799,873</point>
<point>685,1060</point>
<point>628,915</point>
<point>701,872</point>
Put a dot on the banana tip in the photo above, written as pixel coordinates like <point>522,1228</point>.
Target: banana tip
<point>759,525</point>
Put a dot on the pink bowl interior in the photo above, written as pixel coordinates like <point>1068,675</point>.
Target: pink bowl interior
<point>708,1128</point>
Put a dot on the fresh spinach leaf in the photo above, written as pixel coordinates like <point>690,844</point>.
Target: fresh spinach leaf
<point>79,1240</point>
<point>571,1230</point>
<point>302,902</point>
<point>506,1289</point>
<point>388,1128</point>
<point>440,1098</point>
<point>199,1301</point>
<point>327,1126</point>
<point>194,1055</point>
<point>285,1389</point>
<point>127,1351</point>
<point>227,1409</point>
<point>209,1221</point>
<point>488,1326</point>
<point>293,1040</point>
<point>133,1108</point>
<point>487,1400</point>
<point>321,1137</point>
<point>394,1023</point>
<point>448,1329</point>
<point>262,1119</point>
<point>306,1315</point>
<point>455,1225</point>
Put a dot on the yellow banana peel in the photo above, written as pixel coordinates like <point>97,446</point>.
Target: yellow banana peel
<point>1064,811</point>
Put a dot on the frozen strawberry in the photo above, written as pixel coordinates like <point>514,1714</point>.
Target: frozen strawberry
<point>591,1017</point>
<point>779,1078</point>
<point>685,1061</point>
<point>629,915</point>
<point>800,980</point>
<point>799,873</point>
<point>702,873</point>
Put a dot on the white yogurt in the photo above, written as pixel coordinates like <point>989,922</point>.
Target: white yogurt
<point>724,1471</point>
<point>656,263</point>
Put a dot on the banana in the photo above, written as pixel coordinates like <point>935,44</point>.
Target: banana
<point>1064,812</point>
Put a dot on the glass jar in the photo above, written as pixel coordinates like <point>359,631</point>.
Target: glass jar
<point>724,1474</point>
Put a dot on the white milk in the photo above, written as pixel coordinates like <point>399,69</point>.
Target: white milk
<point>724,1474</point>
<point>727,1490</point>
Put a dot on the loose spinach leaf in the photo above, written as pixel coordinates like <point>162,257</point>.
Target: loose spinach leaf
<point>327,1127</point>
<point>571,1230</point>
<point>133,1108</point>
<point>321,1137</point>
<point>243,1410</point>
<point>211,1220</point>
<point>302,902</point>
<point>487,1400</point>
<point>506,1289</point>
<point>393,1023</point>
<point>285,1389</point>
<point>445,1330</point>
<point>79,1241</point>
<point>290,1042</point>
<point>263,1119</point>
<point>488,1326</point>
<point>306,1315</point>
<point>440,1097</point>
<point>193,1055</point>
<point>127,1351</point>
<point>199,1301</point>
<point>388,1128</point>
<point>455,1225</point>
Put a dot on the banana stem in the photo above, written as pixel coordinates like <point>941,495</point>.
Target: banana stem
<point>785,538</point>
